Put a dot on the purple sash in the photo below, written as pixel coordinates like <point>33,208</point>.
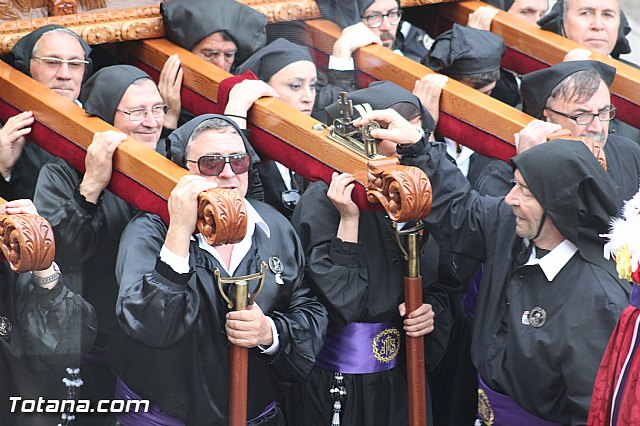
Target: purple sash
<point>635,295</point>
<point>153,417</point>
<point>360,348</point>
<point>500,410</point>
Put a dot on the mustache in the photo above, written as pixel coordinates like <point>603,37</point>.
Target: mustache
<point>596,137</point>
<point>386,36</point>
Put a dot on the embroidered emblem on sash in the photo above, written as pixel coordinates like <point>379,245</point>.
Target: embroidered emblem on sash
<point>386,345</point>
<point>485,412</point>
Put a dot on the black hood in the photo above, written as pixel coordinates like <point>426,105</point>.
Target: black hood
<point>20,55</point>
<point>381,95</point>
<point>538,85</point>
<point>465,51</point>
<point>187,22</point>
<point>273,57</point>
<point>575,192</point>
<point>101,94</point>
<point>176,143</point>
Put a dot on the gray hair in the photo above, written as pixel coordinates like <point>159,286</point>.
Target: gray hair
<point>210,124</point>
<point>578,87</point>
<point>59,30</point>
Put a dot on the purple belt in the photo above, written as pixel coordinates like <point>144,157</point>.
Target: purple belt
<point>497,409</point>
<point>635,295</point>
<point>360,348</point>
<point>154,416</point>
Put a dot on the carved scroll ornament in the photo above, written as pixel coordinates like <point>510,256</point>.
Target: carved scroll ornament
<point>596,149</point>
<point>26,241</point>
<point>403,191</point>
<point>222,216</point>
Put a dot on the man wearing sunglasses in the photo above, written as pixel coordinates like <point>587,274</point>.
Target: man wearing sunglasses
<point>57,58</point>
<point>170,308</point>
<point>575,96</point>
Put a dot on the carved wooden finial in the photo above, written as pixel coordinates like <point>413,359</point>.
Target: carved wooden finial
<point>62,7</point>
<point>26,241</point>
<point>403,191</point>
<point>222,216</point>
<point>596,149</point>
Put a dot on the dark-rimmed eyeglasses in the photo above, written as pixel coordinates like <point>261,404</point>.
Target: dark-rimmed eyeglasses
<point>212,165</point>
<point>290,198</point>
<point>139,114</point>
<point>56,63</point>
<point>374,19</point>
<point>585,118</point>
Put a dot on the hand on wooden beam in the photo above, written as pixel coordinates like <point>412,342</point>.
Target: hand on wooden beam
<point>577,55</point>
<point>242,97</point>
<point>353,38</point>
<point>534,133</point>
<point>169,85</point>
<point>99,164</point>
<point>12,140</point>
<point>482,17</point>
<point>26,239</point>
<point>429,89</point>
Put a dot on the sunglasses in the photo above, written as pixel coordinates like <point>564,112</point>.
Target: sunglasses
<point>212,165</point>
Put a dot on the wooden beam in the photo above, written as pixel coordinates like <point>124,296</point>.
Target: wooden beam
<point>547,48</point>
<point>56,117</point>
<point>281,133</point>
<point>270,114</point>
<point>458,101</point>
<point>113,26</point>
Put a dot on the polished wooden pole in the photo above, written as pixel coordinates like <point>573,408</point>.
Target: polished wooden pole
<point>415,345</point>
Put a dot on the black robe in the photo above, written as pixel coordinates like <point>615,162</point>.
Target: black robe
<point>507,89</point>
<point>51,330</point>
<point>273,186</point>
<point>361,282</point>
<point>25,171</point>
<point>173,349</point>
<point>87,235</point>
<point>549,371</point>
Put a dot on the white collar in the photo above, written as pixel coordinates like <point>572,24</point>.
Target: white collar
<point>240,249</point>
<point>555,260</point>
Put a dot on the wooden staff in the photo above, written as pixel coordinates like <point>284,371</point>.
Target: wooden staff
<point>417,392</point>
<point>238,355</point>
<point>239,365</point>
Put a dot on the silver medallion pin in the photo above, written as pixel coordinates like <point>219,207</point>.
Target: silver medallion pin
<point>5,327</point>
<point>276,266</point>
<point>538,317</point>
<point>535,318</point>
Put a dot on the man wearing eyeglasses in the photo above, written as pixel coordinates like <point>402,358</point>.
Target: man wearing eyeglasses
<point>86,217</point>
<point>176,328</point>
<point>57,58</point>
<point>365,22</point>
<point>575,96</point>
<point>374,21</point>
